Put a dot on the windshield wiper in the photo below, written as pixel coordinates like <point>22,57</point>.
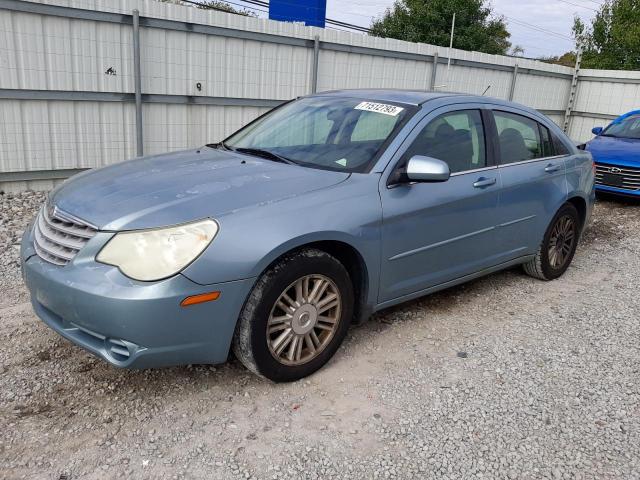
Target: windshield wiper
<point>269,155</point>
<point>219,146</point>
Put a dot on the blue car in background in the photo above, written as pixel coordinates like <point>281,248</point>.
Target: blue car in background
<point>317,214</point>
<point>616,151</point>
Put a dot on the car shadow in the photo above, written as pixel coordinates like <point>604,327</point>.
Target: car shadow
<point>620,200</point>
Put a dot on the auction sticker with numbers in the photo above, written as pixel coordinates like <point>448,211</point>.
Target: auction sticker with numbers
<point>379,108</point>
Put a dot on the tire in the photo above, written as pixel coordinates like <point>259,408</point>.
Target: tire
<point>268,315</point>
<point>549,265</point>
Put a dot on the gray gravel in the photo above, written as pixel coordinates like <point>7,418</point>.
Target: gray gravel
<point>505,377</point>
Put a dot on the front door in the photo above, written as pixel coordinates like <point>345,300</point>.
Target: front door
<point>437,232</point>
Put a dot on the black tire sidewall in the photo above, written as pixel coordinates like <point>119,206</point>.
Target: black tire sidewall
<point>285,273</point>
<point>548,271</point>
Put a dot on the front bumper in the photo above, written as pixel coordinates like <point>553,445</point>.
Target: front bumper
<point>128,323</point>
<point>618,191</point>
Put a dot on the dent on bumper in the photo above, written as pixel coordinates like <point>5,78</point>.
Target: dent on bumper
<point>134,324</point>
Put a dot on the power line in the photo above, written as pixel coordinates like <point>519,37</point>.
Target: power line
<point>337,23</point>
<point>206,6</point>
<point>578,5</point>
<point>332,21</point>
<point>536,27</point>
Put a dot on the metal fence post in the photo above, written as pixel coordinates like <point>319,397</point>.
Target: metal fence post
<point>137,82</point>
<point>514,78</point>
<point>573,92</point>
<point>314,67</point>
<point>434,71</point>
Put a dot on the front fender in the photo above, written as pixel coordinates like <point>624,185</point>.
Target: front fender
<point>250,239</point>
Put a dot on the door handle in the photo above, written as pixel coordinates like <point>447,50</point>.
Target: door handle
<point>551,168</point>
<point>483,182</point>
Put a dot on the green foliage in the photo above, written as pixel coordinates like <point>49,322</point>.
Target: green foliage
<point>612,41</point>
<point>429,21</point>
<point>567,59</point>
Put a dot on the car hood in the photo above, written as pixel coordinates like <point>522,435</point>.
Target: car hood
<point>618,151</point>
<point>183,186</point>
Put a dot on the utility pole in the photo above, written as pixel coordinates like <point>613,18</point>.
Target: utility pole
<point>453,28</point>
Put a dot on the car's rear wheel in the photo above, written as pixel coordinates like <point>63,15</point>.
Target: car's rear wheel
<point>558,245</point>
<point>296,316</point>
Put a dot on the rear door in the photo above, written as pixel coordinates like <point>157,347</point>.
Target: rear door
<point>533,180</point>
<point>437,232</point>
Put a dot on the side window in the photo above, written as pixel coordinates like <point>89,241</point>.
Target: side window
<point>456,138</point>
<point>518,136</point>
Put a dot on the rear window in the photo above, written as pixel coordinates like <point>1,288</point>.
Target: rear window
<point>518,136</point>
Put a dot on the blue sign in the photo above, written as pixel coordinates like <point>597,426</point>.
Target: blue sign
<point>312,12</point>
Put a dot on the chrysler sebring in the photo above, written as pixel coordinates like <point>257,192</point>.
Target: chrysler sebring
<point>312,217</point>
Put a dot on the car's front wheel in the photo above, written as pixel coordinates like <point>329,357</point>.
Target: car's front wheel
<point>296,316</point>
<point>558,245</point>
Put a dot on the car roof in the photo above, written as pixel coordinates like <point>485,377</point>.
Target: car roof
<point>419,97</point>
<point>413,97</point>
<point>409,97</point>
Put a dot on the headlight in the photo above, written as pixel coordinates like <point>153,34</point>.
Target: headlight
<point>149,255</point>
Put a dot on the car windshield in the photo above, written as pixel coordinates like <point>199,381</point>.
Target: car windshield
<point>331,133</point>
<point>628,127</point>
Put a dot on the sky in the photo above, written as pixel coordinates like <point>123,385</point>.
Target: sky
<point>526,20</point>
<point>553,15</point>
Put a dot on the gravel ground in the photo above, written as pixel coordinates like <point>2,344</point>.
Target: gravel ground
<point>505,377</point>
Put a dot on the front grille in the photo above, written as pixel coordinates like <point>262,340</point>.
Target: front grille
<point>612,176</point>
<point>57,239</point>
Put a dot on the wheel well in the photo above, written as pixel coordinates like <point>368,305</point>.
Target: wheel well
<point>581,206</point>
<point>355,265</point>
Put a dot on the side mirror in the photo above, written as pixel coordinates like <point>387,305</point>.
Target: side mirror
<point>427,169</point>
<point>597,130</point>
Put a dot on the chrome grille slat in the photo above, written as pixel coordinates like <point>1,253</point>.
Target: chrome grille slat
<point>55,236</point>
<point>630,176</point>
<point>52,248</point>
<point>58,240</point>
<point>69,228</point>
<point>633,182</point>
<point>48,257</point>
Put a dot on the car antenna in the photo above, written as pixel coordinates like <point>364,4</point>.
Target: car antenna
<point>486,90</point>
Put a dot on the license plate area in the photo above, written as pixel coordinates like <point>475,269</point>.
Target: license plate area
<point>612,179</point>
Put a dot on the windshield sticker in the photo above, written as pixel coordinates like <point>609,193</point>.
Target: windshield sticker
<point>379,108</point>
<point>342,161</point>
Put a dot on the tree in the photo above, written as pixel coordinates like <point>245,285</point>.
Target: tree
<point>429,21</point>
<point>517,51</point>
<point>567,59</point>
<point>613,39</point>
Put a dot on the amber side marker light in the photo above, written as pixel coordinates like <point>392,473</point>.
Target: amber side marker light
<point>202,298</point>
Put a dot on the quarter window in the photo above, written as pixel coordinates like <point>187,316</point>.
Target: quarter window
<point>548,149</point>
<point>560,147</point>
<point>519,137</point>
<point>456,138</point>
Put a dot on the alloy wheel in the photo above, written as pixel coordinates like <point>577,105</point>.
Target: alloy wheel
<point>304,319</point>
<point>561,241</point>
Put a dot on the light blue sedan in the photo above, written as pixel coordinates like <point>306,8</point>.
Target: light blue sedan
<point>317,214</point>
